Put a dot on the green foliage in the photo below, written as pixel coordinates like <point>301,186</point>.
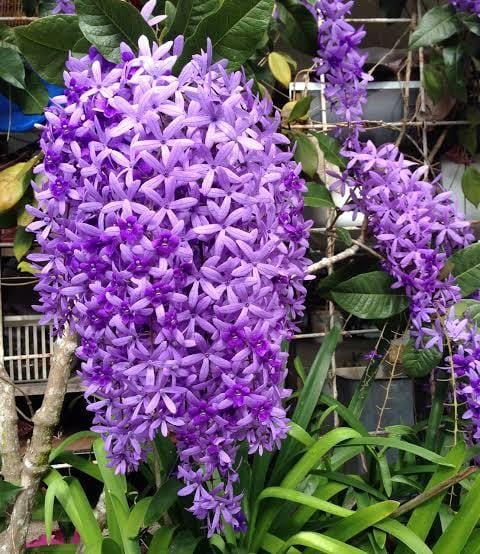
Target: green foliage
<point>306,154</point>
<point>188,15</point>
<point>471,184</point>
<point>235,31</point>
<point>369,296</point>
<point>107,23</point>
<point>297,26</point>
<point>465,267</point>
<point>46,43</point>
<point>300,108</point>
<point>331,149</point>
<point>420,362</point>
<point>11,68</point>
<point>318,196</point>
<point>436,25</point>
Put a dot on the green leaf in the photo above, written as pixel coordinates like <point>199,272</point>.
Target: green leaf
<point>456,536</point>
<point>434,82</point>
<point>8,491</point>
<point>161,540</point>
<point>471,22</point>
<point>420,362</point>
<point>32,99</point>
<point>183,543</point>
<point>319,542</point>
<point>361,520</point>
<point>454,59</point>
<point>466,268</point>
<point>467,137</point>
<point>114,484</point>
<point>69,441</point>
<point>298,26</point>
<point>306,154</point>
<point>308,399</point>
<point>109,546</point>
<point>164,499</point>
<point>331,149</point>
<point>136,517</point>
<point>436,25</point>
<point>80,463</point>
<point>369,296</point>
<point>167,453</point>
<point>390,442</point>
<point>300,108</point>
<point>22,243</point>
<point>235,31</point>
<point>46,43</point>
<point>318,196</point>
<point>107,23</point>
<point>26,267</point>
<point>344,236</point>
<point>350,480</point>
<point>280,68</point>
<point>471,185</point>
<point>473,543</point>
<point>188,16</point>
<point>11,69</point>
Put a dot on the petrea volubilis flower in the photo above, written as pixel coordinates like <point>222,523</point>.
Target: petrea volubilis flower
<point>472,6</point>
<point>170,220</point>
<point>414,222</point>
<point>64,6</point>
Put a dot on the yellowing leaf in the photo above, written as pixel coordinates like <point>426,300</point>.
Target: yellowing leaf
<point>280,68</point>
<point>14,181</point>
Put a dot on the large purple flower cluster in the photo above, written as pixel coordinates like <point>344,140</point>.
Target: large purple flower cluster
<point>472,6</point>
<point>414,222</point>
<point>170,219</point>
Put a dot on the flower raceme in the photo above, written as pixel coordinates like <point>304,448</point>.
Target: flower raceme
<point>414,222</point>
<point>170,220</point>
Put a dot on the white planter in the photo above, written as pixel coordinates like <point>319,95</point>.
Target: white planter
<point>452,174</point>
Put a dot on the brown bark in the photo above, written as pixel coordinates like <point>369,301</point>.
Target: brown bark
<point>35,462</point>
<point>9,443</point>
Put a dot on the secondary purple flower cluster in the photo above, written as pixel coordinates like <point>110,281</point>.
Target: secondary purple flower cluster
<point>174,243</point>
<point>465,362</point>
<point>416,227</point>
<point>64,6</point>
<point>472,6</point>
<point>414,223</point>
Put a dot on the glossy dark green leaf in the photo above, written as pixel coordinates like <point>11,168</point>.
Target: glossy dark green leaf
<point>11,69</point>
<point>419,362</point>
<point>468,138</point>
<point>32,99</point>
<point>344,236</point>
<point>109,546</point>
<point>465,266</point>
<point>164,499</point>
<point>454,59</point>
<point>8,491</point>
<point>434,83</point>
<point>306,154</point>
<point>471,22</point>
<point>107,23</point>
<point>331,149</point>
<point>235,31</point>
<point>436,25</point>
<point>318,196</point>
<point>183,543</point>
<point>46,43</point>
<point>370,296</point>
<point>161,540</point>
<point>188,15</point>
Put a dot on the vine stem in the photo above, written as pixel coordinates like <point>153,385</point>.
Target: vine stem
<point>35,461</point>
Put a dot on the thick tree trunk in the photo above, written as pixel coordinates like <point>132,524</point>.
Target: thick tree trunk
<point>35,462</point>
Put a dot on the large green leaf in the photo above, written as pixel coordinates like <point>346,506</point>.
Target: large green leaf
<point>465,266</point>
<point>33,98</point>
<point>189,14</point>
<point>161,540</point>
<point>183,543</point>
<point>11,69</point>
<point>46,43</point>
<point>306,154</point>
<point>318,196</point>
<point>418,362</point>
<point>8,491</point>
<point>235,31</point>
<point>369,296</point>
<point>308,399</point>
<point>136,517</point>
<point>361,520</point>
<point>298,26</point>
<point>22,243</point>
<point>436,25</point>
<point>454,59</point>
<point>458,532</point>
<point>320,543</point>
<point>107,23</point>
<point>14,181</point>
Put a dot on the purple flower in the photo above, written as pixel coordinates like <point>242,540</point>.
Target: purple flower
<point>472,6</point>
<point>164,248</point>
<point>64,6</point>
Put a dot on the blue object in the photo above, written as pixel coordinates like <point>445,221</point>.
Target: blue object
<point>14,120</point>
